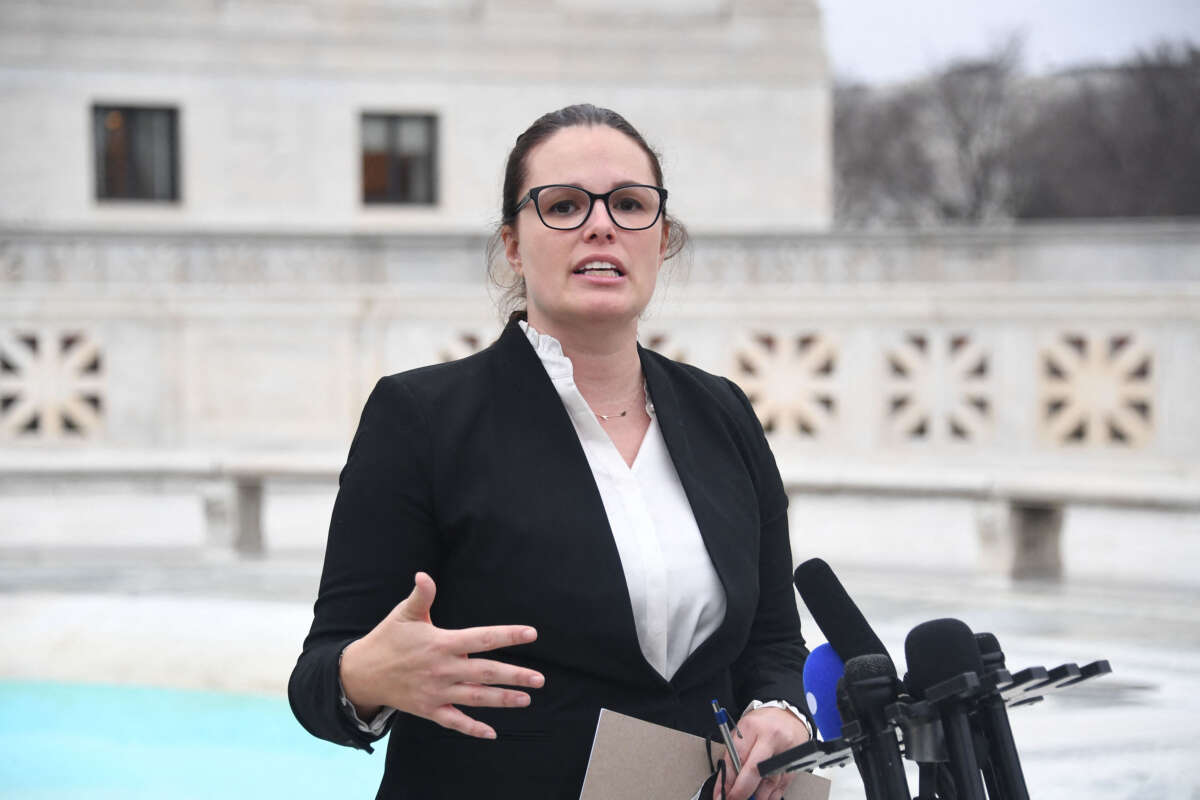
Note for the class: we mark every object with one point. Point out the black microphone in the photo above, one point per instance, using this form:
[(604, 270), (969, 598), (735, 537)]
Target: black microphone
[(1002, 770), (844, 626), (868, 686), (943, 669), (869, 683)]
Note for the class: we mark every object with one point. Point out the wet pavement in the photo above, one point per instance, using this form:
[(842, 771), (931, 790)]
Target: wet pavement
[(188, 620)]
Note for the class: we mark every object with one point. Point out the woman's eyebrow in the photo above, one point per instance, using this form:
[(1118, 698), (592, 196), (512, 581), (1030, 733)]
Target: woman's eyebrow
[(615, 184)]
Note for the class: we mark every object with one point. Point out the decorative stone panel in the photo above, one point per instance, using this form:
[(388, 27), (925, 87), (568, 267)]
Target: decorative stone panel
[(791, 381), (938, 387), (51, 384), (1096, 389)]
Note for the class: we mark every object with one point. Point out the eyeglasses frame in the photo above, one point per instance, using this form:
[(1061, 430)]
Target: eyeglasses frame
[(532, 194)]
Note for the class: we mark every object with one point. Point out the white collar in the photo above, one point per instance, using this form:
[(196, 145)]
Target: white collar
[(557, 365)]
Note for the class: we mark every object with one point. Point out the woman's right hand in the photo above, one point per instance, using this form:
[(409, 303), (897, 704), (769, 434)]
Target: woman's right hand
[(407, 663)]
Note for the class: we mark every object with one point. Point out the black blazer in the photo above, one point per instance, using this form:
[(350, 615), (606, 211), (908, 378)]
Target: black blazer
[(472, 471)]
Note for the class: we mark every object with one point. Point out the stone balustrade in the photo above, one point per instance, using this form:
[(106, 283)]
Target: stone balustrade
[(1061, 353)]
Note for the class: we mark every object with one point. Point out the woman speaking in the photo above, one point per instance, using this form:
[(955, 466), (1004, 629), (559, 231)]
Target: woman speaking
[(562, 522)]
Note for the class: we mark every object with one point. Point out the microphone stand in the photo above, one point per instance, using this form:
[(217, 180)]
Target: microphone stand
[(872, 736)]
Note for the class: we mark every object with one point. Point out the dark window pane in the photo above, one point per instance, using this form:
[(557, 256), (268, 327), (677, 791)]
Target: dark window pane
[(136, 153), (399, 158)]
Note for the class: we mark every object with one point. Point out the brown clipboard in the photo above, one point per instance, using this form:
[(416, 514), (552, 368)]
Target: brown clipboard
[(633, 758)]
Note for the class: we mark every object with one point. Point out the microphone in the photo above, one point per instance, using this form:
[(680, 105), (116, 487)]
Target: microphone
[(868, 685), (867, 688), (844, 626), (943, 668), (1002, 772), (822, 669)]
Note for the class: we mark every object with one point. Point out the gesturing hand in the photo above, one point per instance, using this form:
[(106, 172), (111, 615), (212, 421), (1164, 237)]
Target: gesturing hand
[(409, 664), (765, 732)]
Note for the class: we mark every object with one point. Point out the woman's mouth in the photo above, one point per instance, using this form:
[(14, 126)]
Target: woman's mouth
[(600, 269)]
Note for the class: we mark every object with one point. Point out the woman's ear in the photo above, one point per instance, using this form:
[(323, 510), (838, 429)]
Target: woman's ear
[(666, 239), (512, 251)]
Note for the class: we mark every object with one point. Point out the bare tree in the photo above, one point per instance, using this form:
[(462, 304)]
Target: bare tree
[(972, 122), (883, 173), (932, 151), (977, 142), (1121, 142)]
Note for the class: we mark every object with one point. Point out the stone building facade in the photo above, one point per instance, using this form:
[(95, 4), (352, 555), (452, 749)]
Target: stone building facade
[(269, 100), (313, 214)]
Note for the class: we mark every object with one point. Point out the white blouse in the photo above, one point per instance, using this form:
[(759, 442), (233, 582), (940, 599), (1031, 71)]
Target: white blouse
[(677, 598)]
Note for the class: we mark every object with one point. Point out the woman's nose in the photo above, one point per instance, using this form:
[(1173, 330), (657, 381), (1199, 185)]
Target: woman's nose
[(599, 222)]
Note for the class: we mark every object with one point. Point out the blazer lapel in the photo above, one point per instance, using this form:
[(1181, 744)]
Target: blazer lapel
[(550, 471), (689, 437)]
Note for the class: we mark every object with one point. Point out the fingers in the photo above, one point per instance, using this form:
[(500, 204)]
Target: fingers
[(415, 607), (748, 779), (450, 717), (491, 637), (731, 779), (474, 694), (426, 671), (482, 670)]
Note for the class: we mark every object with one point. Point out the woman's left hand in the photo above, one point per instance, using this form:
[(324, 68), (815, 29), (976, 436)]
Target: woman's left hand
[(765, 732)]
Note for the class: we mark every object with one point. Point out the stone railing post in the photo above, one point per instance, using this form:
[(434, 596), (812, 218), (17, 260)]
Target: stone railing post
[(248, 533), (1020, 539)]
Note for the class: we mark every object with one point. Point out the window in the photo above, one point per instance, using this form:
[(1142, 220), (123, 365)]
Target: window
[(137, 153), (399, 158)]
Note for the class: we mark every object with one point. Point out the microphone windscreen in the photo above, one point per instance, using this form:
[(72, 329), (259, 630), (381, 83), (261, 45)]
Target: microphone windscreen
[(839, 619), (860, 698), (822, 669), (989, 651), (872, 665), (937, 651)]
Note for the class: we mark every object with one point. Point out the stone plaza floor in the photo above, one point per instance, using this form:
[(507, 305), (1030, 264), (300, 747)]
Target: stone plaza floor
[(184, 621)]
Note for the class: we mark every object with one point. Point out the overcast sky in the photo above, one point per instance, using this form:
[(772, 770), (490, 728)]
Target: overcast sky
[(880, 41)]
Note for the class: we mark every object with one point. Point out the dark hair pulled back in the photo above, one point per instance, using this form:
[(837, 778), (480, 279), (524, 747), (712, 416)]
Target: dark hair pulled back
[(516, 171)]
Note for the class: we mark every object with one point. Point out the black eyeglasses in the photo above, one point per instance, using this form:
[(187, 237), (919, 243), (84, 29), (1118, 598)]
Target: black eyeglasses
[(564, 208)]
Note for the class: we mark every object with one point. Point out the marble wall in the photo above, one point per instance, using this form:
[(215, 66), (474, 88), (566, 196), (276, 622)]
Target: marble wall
[(269, 95)]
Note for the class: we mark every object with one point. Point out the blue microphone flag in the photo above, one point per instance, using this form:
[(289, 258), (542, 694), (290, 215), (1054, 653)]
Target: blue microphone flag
[(822, 669)]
